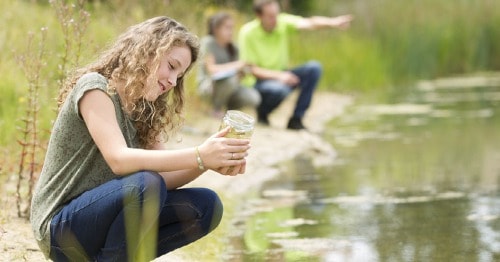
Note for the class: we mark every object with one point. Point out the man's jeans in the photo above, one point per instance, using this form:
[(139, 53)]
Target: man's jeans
[(110, 222), (274, 92)]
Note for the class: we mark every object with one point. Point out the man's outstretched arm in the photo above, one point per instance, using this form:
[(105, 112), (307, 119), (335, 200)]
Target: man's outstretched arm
[(316, 22)]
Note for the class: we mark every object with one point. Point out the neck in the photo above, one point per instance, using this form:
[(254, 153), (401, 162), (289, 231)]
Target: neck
[(267, 30), (220, 42)]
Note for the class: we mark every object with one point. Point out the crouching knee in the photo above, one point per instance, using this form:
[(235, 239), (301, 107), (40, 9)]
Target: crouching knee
[(214, 210), (141, 186), (314, 67)]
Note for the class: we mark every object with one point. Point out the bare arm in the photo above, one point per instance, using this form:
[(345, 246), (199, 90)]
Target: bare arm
[(214, 68), (285, 77), (316, 22), (98, 112), (175, 179)]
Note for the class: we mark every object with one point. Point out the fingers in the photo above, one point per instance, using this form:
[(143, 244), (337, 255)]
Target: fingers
[(228, 171), (221, 133), (236, 142), (289, 78), (229, 141), (243, 168), (223, 170), (292, 80), (232, 170), (220, 153), (238, 155)]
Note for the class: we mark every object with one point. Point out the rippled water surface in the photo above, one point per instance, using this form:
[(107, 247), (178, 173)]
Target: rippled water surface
[(416, 179)]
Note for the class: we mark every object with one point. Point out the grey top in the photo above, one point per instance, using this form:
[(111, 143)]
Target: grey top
[(73, 163), (208, 45)]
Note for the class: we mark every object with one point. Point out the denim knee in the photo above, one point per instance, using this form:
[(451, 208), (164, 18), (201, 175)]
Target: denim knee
[(314, 68), (214, 211), (145, 184)]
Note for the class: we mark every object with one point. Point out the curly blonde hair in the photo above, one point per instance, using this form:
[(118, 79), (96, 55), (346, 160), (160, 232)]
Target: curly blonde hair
[(131, 59)]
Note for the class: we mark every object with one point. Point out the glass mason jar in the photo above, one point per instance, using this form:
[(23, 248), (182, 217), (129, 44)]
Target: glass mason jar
[(241, 124)]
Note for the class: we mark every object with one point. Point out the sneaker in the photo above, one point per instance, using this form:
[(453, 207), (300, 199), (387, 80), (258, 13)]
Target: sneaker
[(262, 119), (295, 124)]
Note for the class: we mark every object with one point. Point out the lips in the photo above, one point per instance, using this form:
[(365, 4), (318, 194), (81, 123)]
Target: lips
[(163, 88)]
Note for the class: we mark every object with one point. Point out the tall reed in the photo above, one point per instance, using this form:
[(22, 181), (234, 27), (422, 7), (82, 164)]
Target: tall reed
[(73, 20), (31, 61)]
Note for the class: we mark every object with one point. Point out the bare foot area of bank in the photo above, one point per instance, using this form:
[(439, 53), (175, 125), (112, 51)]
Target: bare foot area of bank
[(271, 145)]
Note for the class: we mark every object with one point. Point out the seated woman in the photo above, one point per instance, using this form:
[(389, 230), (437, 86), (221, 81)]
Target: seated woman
[(220, 70)]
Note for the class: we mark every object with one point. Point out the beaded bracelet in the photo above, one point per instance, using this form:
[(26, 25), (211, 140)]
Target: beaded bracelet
[(198, 159)]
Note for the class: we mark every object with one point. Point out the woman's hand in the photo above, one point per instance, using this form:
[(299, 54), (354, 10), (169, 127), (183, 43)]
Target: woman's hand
[(224, 155), (232, 170)]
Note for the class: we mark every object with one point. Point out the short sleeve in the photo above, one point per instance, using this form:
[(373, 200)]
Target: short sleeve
[(87, 82), (204, 43), (290, 21)]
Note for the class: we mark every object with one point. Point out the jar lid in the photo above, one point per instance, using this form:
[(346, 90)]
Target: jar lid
[(239, 121)]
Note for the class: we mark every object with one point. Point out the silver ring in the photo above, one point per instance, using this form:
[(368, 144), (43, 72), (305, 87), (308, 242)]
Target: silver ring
[(232, 156)]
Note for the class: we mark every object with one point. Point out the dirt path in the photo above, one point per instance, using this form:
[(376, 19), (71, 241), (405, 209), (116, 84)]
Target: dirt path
[(270, 146)]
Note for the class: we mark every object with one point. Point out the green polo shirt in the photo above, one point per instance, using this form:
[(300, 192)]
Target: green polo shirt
[(268, 49)]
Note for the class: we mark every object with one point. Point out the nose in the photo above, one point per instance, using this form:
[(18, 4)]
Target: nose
[(172, 82)]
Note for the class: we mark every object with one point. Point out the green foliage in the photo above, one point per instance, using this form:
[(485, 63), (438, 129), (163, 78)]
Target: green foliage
[(350, 62)]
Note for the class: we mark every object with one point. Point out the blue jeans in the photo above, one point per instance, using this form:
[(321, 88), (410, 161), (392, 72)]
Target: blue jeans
[(108, 223), (274, 92)]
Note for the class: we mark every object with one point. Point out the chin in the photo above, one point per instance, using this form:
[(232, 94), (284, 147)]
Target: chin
[(151, 98)]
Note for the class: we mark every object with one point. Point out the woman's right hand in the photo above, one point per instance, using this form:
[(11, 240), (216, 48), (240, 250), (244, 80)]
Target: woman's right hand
[(224, 155)]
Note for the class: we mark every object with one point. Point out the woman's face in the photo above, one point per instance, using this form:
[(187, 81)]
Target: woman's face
[(173, 65), (224, 33)]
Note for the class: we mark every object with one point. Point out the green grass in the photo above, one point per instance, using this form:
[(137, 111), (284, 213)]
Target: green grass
[(350, 62)]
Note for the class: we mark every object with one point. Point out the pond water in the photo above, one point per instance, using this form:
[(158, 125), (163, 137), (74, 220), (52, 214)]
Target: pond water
[(417, 178)]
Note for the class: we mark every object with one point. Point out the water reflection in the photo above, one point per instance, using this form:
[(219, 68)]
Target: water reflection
[(415, 180)]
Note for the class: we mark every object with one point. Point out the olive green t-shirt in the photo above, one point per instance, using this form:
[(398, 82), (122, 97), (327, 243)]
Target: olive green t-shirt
[(73, 163)]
